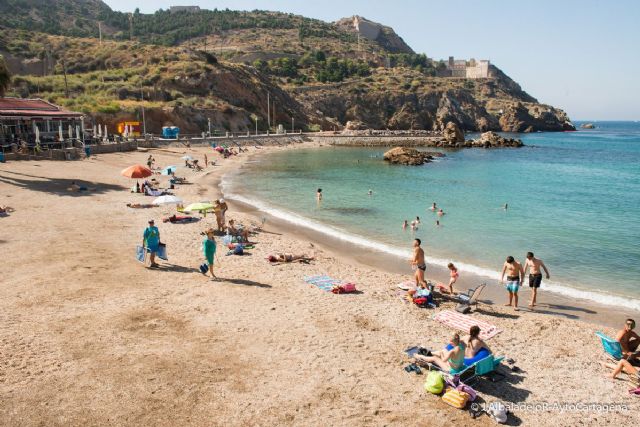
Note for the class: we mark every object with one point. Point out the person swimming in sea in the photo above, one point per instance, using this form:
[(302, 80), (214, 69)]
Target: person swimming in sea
[(440, 212), (405, 224), (417, 220), (370, 192), (437, 223), (506, 206), (433, 207)]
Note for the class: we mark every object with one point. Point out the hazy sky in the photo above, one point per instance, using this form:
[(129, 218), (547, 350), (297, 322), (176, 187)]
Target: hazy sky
[(582, 56)]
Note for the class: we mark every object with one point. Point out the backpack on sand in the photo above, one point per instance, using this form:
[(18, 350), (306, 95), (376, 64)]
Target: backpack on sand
[(434, 383)]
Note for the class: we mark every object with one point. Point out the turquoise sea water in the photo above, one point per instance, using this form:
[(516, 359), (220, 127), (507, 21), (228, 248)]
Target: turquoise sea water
[(574, 200)]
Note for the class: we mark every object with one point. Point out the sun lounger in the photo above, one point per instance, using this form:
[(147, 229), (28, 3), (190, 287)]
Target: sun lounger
[(462, 322), (612, 348)]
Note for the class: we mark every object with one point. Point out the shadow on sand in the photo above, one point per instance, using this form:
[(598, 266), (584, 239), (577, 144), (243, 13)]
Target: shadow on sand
[(57, 186)]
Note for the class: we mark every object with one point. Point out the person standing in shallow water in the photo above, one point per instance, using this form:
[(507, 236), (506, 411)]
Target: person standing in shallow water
[(319, 194), (535, 275)]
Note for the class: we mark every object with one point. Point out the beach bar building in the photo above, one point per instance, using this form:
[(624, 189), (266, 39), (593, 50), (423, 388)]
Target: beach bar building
[(24, 120)]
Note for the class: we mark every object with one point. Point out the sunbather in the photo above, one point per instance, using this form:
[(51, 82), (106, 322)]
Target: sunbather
[(141, 205), (239, 231), (175, 219), (289, 258), (473, 343), (78, 188), (447, 360), (628, 339), (6, 209)]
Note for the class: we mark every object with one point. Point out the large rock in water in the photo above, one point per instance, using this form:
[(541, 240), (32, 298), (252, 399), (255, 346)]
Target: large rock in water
[(492, 139), (452, 134), (409, 156)]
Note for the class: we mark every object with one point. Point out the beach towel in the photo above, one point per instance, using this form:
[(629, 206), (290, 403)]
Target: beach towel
[(405, 286), (403, 296), (325, 283), (463, 322)]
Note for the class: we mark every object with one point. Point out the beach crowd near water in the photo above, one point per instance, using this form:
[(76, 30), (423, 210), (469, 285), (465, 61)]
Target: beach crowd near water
[(369, 344)]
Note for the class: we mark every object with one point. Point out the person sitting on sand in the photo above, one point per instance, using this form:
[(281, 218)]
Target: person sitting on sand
[(197, 166), (77, 188), (141, 205), (453, 276), (515, 276), (286, 257), (187, 163), (6, 209), (628, 340), (447, 360), (473, 342), (240, 231)]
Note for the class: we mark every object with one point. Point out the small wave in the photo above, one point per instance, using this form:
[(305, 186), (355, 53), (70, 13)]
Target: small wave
[(293, 218)]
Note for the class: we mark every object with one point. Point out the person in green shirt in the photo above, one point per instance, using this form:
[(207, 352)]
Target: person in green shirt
[(151, 241), (209, 249)]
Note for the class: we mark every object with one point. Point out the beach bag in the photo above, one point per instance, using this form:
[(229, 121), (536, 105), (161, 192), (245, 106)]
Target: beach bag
[(498, 412), (463, 308), (466, 389), (457, 399), (141, 254), (238, 250), (434, 383), (162, 251)]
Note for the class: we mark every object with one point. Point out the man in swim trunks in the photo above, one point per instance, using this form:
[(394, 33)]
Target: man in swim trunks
[(629, 341), (515, 276), (535, 276), (418, 262)]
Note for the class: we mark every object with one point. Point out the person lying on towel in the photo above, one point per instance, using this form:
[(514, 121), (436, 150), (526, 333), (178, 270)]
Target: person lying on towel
[(141, 205), (289, 258)]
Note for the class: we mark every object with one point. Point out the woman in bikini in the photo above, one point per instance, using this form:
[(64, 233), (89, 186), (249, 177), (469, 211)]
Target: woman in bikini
[(448, 360)]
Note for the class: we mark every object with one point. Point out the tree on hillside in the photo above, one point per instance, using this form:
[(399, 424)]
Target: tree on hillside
[(5, 76)]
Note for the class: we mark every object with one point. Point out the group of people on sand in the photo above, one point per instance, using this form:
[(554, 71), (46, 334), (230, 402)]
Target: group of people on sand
[(451, 358)]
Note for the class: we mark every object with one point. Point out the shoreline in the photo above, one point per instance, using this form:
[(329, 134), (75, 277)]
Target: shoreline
[(92, 337), (551, 302)]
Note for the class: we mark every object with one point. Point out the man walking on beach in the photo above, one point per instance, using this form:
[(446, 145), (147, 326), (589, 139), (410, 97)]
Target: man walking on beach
[(535, 276), (515, 276), (151, 241), (418, 262)]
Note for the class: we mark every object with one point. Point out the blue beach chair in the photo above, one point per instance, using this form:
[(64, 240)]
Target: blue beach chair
[(612, 348)]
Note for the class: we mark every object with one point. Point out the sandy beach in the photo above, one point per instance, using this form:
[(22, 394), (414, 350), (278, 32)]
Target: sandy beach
[(89, 336)]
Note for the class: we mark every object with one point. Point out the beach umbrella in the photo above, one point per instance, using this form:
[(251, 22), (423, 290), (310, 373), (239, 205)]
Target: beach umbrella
[(70, 131), (187, 158), (99, 132), (95, 131), (169, 170), (78, 132), (60, 136), (136, 171), (167, 200), (106, 134), (198, 207)]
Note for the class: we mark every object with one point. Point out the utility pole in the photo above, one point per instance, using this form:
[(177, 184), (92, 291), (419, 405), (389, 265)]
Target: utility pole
[(66, 85), (100, 32), (256, 125), (268, 112), (209, 124), (130, 26), (275, 125), (144, 122), (292, 121)]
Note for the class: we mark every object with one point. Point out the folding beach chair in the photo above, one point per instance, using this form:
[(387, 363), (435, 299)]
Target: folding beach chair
[(470, 298), (487, 368), (612, 348)]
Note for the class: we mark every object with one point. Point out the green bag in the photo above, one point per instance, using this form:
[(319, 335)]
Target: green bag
[(434, 383)]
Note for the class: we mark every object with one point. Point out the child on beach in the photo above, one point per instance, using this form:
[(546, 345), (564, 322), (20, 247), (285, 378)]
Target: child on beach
[(209, 250), (454, 276)]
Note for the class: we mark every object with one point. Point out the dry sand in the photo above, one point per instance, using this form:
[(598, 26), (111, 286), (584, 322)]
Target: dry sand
[(88, 336)]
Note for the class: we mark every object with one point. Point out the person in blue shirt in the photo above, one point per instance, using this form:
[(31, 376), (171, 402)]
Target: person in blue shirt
[(151, 241), (209, 249)]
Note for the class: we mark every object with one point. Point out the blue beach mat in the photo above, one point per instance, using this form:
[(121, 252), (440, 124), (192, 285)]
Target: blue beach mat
[(325, 283)]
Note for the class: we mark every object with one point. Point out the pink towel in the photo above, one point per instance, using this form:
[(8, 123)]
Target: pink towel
[(463, 322)]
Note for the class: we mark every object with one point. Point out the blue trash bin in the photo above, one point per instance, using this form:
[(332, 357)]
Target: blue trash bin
[(87, 151), (2, 157)]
